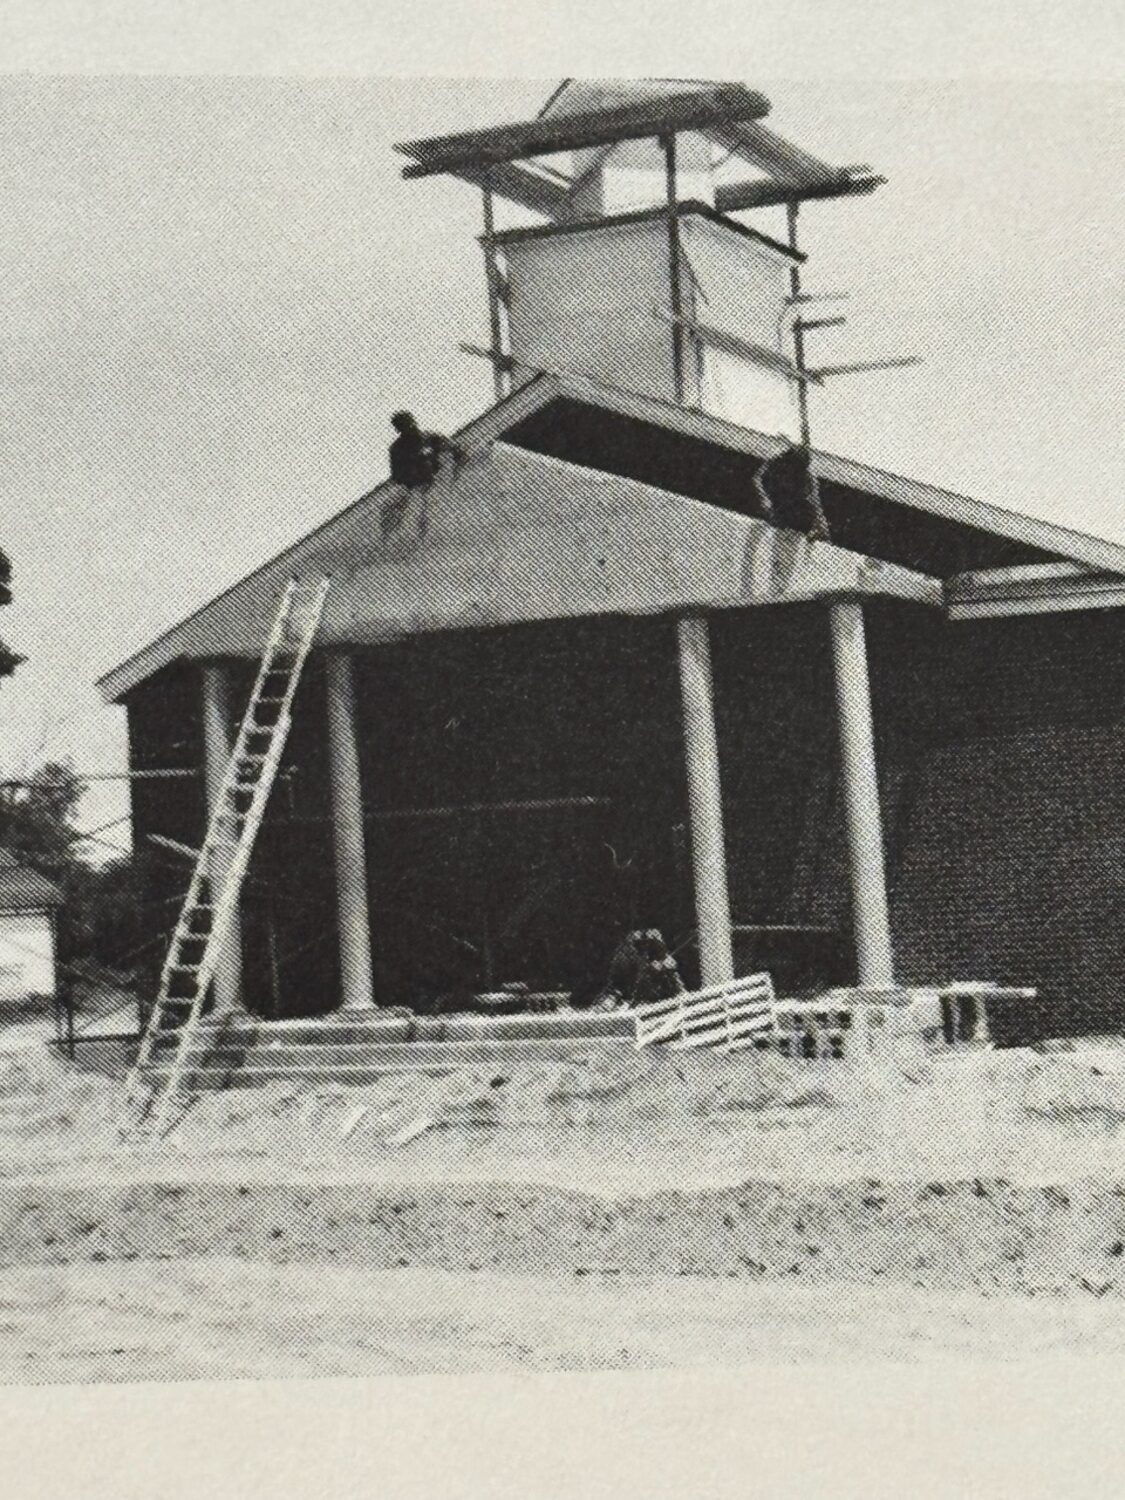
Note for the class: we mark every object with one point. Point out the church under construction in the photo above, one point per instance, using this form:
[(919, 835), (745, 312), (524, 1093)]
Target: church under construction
[(598, 677)]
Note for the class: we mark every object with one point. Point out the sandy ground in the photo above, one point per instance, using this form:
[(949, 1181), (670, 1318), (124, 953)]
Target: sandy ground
[(610, 1124), (225, 1318), (595, 1213)]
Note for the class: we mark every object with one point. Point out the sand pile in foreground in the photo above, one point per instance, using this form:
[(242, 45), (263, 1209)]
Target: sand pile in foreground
[(991, 1172), (983, 1235), (614, 1122)]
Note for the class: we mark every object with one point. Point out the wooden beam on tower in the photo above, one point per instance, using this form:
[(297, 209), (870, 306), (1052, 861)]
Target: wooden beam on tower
[(722, 104), (730, 343), (734, 197), (674, 259)]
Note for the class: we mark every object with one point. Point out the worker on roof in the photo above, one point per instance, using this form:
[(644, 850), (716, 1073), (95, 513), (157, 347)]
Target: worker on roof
[(416, 456), (789, 492), (416, 461)]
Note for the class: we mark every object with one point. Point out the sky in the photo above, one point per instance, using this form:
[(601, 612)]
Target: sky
[(214, 290)]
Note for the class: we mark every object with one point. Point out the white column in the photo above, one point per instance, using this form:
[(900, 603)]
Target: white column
[(217, 745), (348, 836), (861, 796), (705, 801)]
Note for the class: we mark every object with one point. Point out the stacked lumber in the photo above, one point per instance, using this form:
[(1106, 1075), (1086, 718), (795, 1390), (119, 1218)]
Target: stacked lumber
[(729, 1017)]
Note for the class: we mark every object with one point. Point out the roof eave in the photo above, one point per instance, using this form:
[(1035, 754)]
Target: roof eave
[(545, 387), (536, 393)]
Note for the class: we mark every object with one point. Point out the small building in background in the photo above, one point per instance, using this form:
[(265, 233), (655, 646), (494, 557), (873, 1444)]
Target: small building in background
[(28, 906)]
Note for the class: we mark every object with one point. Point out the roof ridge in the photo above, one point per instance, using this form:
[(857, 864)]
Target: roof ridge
[(502, 417)]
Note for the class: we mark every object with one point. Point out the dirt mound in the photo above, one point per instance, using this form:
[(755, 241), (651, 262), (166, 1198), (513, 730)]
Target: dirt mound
[(614, 1120), (42, 1097), (1079, 1085), (983, 1235)]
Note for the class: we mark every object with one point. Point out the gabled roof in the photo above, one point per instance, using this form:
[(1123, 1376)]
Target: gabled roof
[(540, 401), (518, 501), (646, 114), (789, 171), (518, 536), (24, 889)]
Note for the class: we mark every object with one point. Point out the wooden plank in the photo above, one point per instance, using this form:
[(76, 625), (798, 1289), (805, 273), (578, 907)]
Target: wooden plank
[(461, 809), (500, 376), (733, 987), (736, 197), (541, 193), (674, 260), (766, 149), (722, 104), (689, 207), (723, 1036), (863, 366), (1024, 573), (1044, 589)]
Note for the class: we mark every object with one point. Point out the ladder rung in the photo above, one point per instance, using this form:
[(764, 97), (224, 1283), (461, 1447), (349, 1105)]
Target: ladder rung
[(233, 827)]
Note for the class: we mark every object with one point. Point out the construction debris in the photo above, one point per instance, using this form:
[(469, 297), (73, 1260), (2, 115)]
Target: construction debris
[(729, 1016)]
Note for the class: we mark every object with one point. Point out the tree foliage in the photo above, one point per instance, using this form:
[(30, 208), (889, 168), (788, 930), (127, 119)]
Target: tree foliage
[(100, 924), (9, 661), (37, 817)]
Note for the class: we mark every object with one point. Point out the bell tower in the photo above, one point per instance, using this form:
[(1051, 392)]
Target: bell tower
[(638, 268)]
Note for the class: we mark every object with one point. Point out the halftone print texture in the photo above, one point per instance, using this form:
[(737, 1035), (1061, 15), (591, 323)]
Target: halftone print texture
[(684, 924)]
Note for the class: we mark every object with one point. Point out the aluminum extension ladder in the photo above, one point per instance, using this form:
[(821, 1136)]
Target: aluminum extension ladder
[(216, 884)]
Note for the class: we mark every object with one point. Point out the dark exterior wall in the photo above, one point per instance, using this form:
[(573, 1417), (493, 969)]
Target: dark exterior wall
[(475, 896), (288, 906), (776, 726), (578, 709), (290, 942), (1000, 747), (1006, 750), (165, 733)]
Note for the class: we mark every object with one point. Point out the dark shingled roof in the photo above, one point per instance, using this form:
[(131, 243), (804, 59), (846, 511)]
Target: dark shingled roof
[(23, 889)]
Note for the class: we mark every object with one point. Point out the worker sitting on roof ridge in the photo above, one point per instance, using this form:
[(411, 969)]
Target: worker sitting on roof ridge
[(416, 461), (416, 456), (792, 498)]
